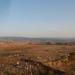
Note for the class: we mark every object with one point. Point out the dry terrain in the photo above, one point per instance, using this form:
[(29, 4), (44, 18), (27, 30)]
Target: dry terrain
[(27, 58)]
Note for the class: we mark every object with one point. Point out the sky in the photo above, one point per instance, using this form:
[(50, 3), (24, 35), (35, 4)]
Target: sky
[(37, 18)]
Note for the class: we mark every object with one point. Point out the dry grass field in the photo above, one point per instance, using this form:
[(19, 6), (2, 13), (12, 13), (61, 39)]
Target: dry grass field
[(61, 58)]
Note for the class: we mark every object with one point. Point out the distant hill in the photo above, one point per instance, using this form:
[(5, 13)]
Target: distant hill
[(38, 39)]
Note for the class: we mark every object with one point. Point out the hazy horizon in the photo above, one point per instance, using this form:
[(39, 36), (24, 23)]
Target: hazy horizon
[(37, 18)]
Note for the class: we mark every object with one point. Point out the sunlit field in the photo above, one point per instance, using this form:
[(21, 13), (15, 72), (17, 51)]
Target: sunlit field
[(29, 58)]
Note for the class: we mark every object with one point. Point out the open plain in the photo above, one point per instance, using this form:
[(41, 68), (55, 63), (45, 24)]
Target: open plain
[(29, 58)]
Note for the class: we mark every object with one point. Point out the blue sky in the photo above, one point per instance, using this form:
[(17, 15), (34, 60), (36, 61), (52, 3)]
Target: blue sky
[(37, 18)]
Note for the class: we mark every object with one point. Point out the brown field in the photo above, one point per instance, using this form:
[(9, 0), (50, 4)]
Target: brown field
[(58, 57)]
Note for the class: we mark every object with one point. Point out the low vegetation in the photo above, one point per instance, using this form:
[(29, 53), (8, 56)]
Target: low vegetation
[(23, 58)]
